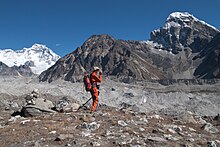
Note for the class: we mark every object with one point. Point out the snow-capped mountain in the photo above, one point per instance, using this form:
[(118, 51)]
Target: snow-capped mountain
[(182, 30), (183, 19), (38, 57)]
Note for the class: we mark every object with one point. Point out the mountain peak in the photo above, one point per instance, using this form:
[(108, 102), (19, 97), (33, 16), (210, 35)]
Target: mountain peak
[(98, 42), (37, 45), (182, 30), (100, 37), (180, 15), (40, 55), (184, 19)]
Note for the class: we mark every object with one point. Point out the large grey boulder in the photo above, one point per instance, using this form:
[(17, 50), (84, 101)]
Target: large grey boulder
[(42, 106)]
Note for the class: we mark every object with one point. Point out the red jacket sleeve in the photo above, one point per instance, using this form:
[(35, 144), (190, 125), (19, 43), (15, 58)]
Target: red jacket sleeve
[(95, 78)]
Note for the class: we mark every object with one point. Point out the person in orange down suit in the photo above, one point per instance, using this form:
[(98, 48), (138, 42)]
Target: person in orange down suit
[(95, 77)]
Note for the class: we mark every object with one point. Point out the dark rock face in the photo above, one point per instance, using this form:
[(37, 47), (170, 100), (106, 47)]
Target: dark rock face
[(210, 66), (130, 59), (22, 70), (29, 63)]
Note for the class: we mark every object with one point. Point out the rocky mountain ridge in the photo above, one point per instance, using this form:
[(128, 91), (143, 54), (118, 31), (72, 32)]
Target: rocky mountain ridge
[(38, 57), (117, 58), (169, 54), (22, 70)]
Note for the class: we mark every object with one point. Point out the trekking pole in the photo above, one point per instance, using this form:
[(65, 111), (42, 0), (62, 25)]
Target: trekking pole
[(84, 104)]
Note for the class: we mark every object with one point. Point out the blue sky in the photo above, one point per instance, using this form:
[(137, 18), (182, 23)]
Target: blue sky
[(63, 25)]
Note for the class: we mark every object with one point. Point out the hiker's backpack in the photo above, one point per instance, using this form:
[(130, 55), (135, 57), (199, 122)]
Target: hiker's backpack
[(87, 82)]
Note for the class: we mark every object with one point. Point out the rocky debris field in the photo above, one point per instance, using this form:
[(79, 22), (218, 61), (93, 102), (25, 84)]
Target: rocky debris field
[(202, 99), (135, 114), (109, 127)]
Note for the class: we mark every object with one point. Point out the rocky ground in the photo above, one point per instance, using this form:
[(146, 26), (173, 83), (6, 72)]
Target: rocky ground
[(135, 114), (109, 127)]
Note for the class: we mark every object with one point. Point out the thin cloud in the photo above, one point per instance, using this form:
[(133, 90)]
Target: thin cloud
[(58, 44)]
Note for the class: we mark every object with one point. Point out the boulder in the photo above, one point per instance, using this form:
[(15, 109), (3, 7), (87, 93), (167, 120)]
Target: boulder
[(211, 144), (157, 139), (42, 106), (63, 137), (95, 144), (210, 128), (72, 107), (59, 106), (122, 123), (87, 128)]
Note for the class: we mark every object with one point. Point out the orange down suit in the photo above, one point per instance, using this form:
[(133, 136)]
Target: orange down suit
[(95, 90)]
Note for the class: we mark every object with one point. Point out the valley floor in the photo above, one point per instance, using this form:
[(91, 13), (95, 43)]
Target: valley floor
[(144, 114)]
